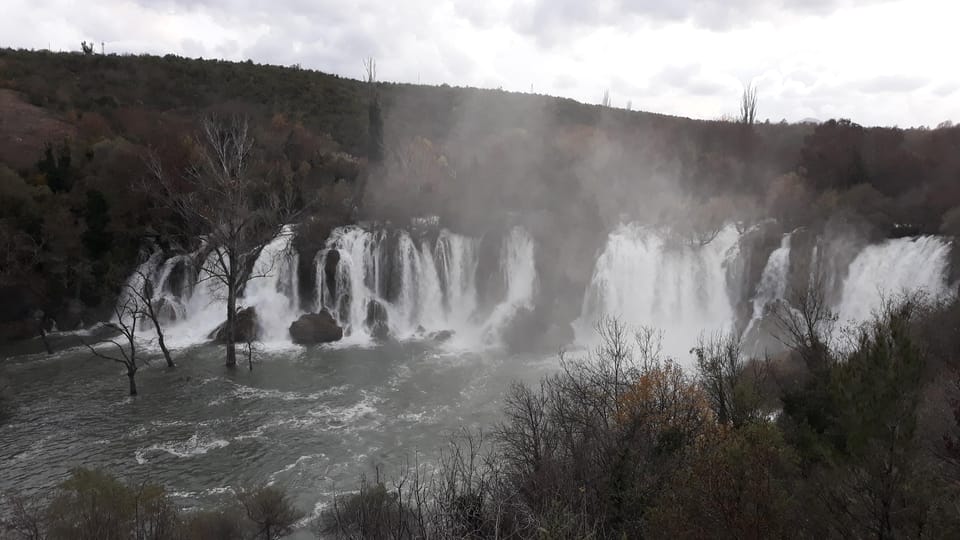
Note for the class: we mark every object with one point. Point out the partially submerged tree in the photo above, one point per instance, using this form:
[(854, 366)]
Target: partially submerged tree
[(142, 292), (127, 311), (223, 198), (252, 349)]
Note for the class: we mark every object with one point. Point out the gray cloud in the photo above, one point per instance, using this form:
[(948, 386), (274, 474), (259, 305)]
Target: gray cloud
[(946, 89), (551, 20), (892, 83), (690, 79)]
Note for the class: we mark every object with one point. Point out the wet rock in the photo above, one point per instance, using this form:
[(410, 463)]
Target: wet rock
[(177, 280), (441, 336), (330, 263), (376, 320), (343, 309), (166, 310), (314, 328), (246, 328)]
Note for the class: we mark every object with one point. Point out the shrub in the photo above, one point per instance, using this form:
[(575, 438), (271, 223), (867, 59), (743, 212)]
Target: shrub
[(373, 512), (269, 508)]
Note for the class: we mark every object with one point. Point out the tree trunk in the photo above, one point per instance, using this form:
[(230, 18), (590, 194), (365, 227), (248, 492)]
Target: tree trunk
[(231, 325), (163, 346), (43, 337), (133, 382)]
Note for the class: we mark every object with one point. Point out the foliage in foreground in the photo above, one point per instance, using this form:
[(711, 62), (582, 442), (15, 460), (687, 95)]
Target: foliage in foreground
[(93, 505), (854, 438), (834, 440)]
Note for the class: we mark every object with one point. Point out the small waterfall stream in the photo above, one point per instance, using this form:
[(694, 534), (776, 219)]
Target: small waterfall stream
[(771, 289)]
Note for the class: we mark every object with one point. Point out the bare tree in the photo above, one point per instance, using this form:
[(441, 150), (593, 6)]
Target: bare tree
[(270, 509), (222, 198), (143, 295), (748, 105), (807, 322), (370, 70), (127, 312), (252, 349), (374, 113), (25, 517), (731, 383)]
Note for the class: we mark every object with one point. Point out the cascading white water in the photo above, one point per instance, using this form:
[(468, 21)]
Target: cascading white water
[(457, 261), (273, 288), (434, 284), (196, 301), (772, 288), (891, 268), (148, 269), (357, 250), (432, 314), (645, 279), (421, 285), (518, 267)]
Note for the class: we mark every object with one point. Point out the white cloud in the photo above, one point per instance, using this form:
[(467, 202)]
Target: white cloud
[(876, 62)]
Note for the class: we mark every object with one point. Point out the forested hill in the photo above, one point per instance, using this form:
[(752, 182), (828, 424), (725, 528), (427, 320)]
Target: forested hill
[(75, 129)]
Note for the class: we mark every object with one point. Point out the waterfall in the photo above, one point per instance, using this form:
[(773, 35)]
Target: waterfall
[(191, 300), (358, 252), (128, 302), (273, 288), (894, 267), (517, 266), (771, 289), (457, 260), (645, 278), (423, 284)]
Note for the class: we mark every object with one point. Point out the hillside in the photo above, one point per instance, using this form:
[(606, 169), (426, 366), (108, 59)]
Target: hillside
[(74, 131)]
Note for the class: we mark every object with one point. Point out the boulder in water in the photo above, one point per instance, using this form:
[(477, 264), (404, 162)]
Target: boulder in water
[(246, 328), (441, 336), (314, 328)]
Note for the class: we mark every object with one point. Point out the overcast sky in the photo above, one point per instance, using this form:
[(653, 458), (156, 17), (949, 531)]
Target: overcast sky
[(878, 62)]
